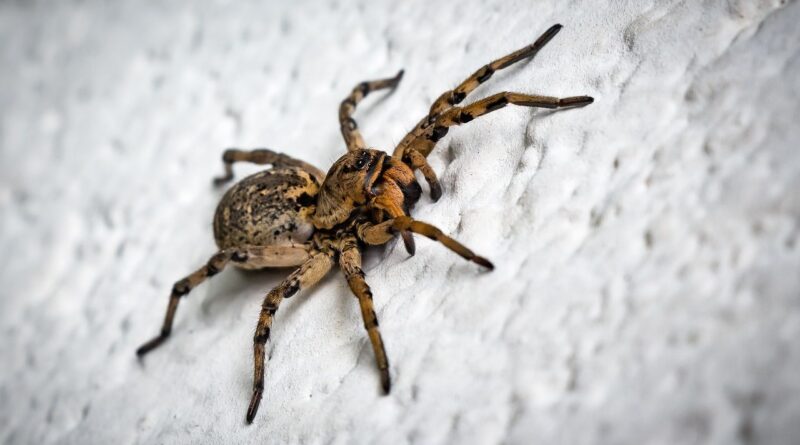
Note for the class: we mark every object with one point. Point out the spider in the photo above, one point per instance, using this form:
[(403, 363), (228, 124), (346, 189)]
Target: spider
[(294, 214)]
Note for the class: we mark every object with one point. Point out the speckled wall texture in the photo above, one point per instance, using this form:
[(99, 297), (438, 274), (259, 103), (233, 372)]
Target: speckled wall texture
[(647, 288)]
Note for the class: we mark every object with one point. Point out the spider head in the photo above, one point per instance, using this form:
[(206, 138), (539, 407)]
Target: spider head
[(365, 178)]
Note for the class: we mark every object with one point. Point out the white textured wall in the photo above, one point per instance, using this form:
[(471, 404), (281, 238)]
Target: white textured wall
[(647, 287)]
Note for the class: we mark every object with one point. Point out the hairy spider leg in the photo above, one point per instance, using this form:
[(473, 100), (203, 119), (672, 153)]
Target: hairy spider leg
[(349, 127), (350, 263), (456, 95), (420, 141), (484, 73), (419, 147), (262, 156), (376, 234), (416, 161), (249, 257), (462, 115), (304, 277)]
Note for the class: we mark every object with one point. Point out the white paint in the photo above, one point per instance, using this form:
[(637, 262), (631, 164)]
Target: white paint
[(652, 302)]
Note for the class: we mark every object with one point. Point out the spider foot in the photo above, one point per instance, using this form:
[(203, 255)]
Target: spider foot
[(408, 241), (254, 402), (386, 381), (482, 262), (397, 78), (577, 101), (221, 180), (150, 345)]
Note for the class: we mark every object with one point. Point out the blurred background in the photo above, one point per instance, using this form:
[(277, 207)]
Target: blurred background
[(646, 289)]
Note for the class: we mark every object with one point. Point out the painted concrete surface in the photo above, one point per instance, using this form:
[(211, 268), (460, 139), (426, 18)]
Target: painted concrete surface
[(647, 286)]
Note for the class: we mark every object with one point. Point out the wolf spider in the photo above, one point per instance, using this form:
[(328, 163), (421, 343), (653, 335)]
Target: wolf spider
[(295, 215)]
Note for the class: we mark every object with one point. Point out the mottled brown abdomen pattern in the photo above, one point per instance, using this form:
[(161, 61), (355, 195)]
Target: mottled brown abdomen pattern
[(273, 207)]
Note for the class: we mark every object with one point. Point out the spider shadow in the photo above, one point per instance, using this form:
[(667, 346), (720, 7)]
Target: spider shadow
[(370, 106), (542, 113), (365, 109), (224, 298), (229, 288)]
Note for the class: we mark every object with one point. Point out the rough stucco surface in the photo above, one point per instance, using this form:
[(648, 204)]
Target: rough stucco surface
[(647, 286)]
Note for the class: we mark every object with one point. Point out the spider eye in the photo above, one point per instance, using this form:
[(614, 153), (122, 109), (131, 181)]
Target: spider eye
[(361, 162)]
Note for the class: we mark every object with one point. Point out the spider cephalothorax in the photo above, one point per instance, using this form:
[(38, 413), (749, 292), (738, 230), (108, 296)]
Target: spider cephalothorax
[(295, 215), (365, 178)]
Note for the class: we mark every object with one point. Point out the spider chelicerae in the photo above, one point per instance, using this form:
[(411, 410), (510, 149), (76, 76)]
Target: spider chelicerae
[(294, 214)]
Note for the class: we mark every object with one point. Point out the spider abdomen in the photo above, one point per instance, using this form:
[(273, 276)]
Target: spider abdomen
[(272, 207)]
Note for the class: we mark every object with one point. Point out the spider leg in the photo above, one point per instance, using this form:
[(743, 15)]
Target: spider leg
[(420, 141), (308, 274), (462, 115), (262, 156), (350, 263), (484, 73), (245, 257), (456, 95), (349, 127), (416, 161), (376, 234), (417, 150)]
